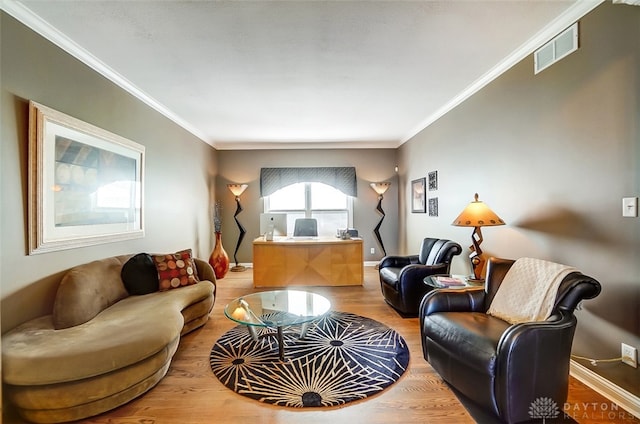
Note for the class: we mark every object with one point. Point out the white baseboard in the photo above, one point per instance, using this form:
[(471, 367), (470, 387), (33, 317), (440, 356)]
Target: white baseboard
[(624, 399)]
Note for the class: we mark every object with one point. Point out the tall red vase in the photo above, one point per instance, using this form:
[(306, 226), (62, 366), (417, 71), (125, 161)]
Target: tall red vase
[(219, 259)]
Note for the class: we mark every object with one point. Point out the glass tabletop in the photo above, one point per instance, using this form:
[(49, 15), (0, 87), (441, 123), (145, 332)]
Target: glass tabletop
[(451, 281), (277, 308)]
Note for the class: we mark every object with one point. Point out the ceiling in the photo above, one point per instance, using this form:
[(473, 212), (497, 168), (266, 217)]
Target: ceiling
[(300, 74)]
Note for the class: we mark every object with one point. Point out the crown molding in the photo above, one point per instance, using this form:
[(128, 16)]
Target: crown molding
[(41, 27), (27, 17), (569, 17)]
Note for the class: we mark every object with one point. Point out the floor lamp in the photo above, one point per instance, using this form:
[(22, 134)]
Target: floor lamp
[(477, 215), (380, 188), (237, 190)]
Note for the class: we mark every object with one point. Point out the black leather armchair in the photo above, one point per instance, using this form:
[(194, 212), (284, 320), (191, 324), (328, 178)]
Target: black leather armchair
[(502, 368), (401, 277)]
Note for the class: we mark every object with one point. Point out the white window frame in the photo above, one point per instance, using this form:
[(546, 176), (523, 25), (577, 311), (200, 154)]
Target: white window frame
[(307, 202)]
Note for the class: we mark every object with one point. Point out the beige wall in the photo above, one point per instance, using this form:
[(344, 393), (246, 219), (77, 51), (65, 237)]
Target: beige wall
[(243, 166), (179, 174), (552, 154), (183, 175)]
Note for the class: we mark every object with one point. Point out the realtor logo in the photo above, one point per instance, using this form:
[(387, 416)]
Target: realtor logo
[(543, 408)]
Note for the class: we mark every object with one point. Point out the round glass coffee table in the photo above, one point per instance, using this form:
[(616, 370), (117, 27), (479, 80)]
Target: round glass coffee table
[(277, 309)]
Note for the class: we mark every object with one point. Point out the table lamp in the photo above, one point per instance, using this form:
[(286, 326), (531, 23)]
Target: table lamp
[(380, 188), (477, 215), (237, 190)]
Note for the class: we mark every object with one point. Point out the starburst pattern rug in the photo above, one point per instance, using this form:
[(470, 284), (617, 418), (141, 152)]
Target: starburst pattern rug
[(343, 358)]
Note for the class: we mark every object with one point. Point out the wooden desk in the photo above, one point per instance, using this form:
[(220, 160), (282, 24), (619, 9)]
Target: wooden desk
[(307, 262)]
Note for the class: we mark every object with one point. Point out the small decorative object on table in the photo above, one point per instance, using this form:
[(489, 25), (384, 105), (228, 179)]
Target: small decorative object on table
[(219, 259), (449, 281)]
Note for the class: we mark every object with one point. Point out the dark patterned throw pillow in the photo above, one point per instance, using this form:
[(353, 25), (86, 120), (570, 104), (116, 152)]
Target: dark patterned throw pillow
[(139, 275)]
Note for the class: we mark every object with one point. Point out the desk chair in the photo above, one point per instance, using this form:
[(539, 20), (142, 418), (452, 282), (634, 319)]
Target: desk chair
[(305, 227)]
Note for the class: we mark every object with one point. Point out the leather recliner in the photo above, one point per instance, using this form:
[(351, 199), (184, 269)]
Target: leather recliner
[(401, 277), (502, 368)]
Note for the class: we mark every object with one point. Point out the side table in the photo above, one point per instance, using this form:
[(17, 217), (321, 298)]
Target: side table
[(448, 281)]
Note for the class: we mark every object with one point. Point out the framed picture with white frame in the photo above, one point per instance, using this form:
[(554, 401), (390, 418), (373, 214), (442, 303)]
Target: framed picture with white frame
[(85, 184)]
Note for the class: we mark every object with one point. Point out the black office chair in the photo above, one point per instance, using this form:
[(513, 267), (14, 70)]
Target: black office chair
[(305, 227)]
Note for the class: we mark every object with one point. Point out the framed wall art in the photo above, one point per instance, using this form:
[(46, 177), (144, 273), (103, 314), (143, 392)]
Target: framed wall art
[(433, 180), (418, 196), (433, 206), (85, 183)]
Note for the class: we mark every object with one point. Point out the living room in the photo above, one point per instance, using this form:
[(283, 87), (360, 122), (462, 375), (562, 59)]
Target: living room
[(552, 154)]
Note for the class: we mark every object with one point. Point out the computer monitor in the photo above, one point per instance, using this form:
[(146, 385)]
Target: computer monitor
[(278, 220)]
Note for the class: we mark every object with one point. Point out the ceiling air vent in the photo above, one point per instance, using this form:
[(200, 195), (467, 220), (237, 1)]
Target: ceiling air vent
[(556, 49)]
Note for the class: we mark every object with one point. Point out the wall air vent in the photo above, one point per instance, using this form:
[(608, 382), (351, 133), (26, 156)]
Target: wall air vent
[(562, 45)]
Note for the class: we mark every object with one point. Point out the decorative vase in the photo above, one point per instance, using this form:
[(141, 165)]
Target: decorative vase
[(219, 259)]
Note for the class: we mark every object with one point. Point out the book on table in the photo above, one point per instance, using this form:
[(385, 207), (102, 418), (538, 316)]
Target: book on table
[(446, 281)]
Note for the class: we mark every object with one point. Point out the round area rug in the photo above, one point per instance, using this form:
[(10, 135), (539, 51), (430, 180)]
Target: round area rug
[(343, 357)]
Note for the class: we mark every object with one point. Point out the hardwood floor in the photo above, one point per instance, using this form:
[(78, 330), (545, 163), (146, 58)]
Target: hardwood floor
[(191, 394)]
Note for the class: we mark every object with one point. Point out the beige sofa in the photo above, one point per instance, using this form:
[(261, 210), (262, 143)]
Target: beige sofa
[(122, 350)]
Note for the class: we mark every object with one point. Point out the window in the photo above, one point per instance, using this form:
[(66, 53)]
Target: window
[(332, 208)]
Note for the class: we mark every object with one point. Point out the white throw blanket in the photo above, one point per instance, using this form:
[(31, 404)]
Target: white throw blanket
[(528, 291)]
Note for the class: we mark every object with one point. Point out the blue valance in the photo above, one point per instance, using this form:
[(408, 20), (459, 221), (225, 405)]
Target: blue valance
[(342, 178)]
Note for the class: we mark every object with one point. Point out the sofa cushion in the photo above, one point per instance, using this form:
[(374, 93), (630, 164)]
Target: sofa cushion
[(130, 331), (175, 270), (88, 289), (71, 393), (472, 337), (140, 275)]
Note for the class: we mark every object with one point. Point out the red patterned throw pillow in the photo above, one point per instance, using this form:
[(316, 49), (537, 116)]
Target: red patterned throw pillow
[(176, 270)]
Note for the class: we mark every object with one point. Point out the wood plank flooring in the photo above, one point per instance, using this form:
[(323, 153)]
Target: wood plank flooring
[(191, 394)]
